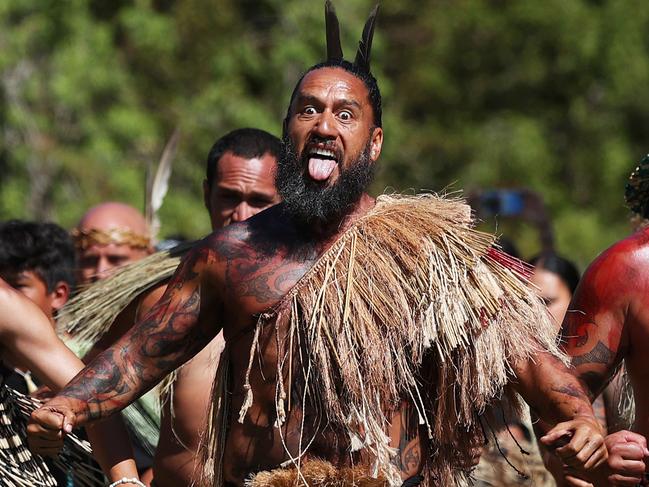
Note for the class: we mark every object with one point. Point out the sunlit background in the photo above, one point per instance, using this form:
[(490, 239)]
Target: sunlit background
[(549, 96)]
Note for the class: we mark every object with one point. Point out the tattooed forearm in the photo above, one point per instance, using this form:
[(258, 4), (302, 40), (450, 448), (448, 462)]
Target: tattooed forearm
[(170, 334), (119, 374), (103, 384), (570, 390)]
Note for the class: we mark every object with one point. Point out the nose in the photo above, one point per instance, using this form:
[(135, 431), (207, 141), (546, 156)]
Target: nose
[(103, 268), (326, 126), (242, 212)]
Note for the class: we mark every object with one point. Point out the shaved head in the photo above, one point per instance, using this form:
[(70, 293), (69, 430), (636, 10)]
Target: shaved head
[(108, 236), (113, 214)]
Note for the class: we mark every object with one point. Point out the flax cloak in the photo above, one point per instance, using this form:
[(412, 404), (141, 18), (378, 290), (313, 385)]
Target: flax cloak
[(411, 282)]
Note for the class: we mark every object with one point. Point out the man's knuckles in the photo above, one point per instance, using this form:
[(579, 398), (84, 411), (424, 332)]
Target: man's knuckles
[(618, 479), (47, 419), (627, 466), (626, 451), (585, 454)]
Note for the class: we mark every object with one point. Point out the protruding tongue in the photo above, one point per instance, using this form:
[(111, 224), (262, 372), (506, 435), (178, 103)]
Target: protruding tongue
[(321, 169)]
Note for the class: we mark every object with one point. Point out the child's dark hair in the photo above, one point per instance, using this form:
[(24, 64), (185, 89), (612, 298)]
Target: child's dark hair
[(43, 248)]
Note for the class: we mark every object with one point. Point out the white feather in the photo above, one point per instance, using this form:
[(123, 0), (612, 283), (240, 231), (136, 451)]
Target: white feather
[(158, 187)]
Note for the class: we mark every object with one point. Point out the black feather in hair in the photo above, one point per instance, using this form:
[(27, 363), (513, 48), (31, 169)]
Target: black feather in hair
[(334, 48), (365, 44)]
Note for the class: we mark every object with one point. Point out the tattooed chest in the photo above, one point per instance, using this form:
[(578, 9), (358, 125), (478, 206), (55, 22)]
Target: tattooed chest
[(262, 282)]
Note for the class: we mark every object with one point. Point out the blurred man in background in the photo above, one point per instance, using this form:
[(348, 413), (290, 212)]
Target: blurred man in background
[(239, 183), (108, 236)]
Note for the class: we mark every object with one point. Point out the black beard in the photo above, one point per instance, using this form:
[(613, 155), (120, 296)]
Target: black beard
[(310, 203)]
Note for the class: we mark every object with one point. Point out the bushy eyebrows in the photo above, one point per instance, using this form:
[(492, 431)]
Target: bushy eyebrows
[(305, 98)]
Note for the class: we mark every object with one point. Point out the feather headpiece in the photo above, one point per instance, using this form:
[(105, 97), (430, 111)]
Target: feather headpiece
[(334, 47)]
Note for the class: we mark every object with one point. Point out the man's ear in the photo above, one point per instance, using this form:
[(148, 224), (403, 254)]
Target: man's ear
[(206, 195), (376, 143), (59, 295)]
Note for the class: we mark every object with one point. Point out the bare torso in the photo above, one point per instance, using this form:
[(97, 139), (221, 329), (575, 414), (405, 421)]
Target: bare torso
[(184, 418), (257, 279)]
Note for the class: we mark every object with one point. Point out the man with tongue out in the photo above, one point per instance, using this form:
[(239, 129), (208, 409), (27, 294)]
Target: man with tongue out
[(332, 138), (284, 396)]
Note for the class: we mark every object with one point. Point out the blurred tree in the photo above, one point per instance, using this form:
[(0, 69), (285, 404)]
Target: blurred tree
[(477, 93)]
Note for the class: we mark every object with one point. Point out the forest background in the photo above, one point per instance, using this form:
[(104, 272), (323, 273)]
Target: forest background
[(551, 96)]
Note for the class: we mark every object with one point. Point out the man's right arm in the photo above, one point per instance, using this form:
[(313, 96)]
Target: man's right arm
[(185, 319), (594, 335)]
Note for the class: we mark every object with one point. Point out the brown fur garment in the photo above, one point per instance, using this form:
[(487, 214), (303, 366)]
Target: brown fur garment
[(316, 473)]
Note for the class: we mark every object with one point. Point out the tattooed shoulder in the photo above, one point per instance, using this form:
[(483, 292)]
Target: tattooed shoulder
[(600, 354)]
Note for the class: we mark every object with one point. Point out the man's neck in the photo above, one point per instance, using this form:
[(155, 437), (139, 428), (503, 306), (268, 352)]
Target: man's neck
[(327, 231)]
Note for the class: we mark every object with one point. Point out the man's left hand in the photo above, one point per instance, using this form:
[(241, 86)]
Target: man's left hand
[(578, 443)]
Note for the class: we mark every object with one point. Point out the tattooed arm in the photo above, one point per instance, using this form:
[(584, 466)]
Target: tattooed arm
[(558, 398), (185, 319), (594, 334)]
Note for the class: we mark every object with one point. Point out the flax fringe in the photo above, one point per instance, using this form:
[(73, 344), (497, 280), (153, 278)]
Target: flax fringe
[(410, 302), (213, 439)]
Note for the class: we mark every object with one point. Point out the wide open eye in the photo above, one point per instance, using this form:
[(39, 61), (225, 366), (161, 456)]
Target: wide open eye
[(309, 111), (345, 115)]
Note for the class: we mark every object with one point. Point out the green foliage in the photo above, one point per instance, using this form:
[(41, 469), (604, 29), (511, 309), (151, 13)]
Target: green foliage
[(477, 93)]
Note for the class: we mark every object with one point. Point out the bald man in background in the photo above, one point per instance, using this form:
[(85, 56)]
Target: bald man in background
[(108, 236)]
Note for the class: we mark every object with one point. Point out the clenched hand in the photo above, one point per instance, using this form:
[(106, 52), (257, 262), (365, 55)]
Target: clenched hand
[(47, 427)]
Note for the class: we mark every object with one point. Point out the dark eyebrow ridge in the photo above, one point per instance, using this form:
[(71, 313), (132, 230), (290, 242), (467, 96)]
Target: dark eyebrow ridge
[(306, 98)]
